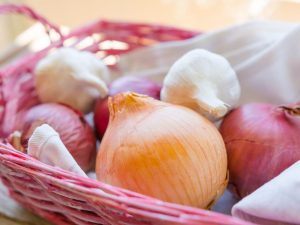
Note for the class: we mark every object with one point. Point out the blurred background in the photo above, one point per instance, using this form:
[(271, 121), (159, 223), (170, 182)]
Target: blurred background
[(19, 34), (193, 14)]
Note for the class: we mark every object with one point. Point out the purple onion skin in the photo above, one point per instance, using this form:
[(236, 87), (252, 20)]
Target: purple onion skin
[(135, 84), (123, 84), (261, 140), (74, 131)]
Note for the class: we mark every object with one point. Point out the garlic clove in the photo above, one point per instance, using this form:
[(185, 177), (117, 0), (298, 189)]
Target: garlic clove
[(99, 85), (46, 145), (66, 72), (74, 130), (209, 105), (204, 82)]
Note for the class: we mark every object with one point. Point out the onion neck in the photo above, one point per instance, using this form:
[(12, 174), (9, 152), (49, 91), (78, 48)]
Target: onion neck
[(293, 110), (129, 102), (15, 140)]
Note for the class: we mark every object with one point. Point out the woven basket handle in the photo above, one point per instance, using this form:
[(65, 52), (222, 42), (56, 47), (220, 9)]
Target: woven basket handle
[(27, 11), (9, 112)]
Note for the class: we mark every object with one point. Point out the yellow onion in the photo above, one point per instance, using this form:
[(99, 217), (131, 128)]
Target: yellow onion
[(162, 150)]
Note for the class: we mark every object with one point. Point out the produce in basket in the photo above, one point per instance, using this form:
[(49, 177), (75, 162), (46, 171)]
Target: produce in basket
[(127, 83), (72, 77), (202, 81), (60, 196), (262, 140), (162, 150), (74, 131)]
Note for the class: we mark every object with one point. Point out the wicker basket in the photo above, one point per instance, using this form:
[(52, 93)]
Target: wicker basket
[(60, 196)]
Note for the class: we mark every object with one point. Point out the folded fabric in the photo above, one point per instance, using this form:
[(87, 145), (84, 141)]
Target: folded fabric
[(265, 56), (46, 145), (276, 202)]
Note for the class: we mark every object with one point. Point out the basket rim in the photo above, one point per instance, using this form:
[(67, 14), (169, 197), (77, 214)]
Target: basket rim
[(35, 55), (139, 203)]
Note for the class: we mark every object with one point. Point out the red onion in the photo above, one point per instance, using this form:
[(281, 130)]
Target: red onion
[(261, 140), (75, 133), (101, 116), (123, 84)]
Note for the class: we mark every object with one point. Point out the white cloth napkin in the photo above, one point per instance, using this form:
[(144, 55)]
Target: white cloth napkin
[(276, 202), (265, 56)]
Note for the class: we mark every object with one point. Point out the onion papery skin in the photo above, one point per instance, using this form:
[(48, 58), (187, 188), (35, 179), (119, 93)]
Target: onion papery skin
[(261, 140), (162, 150), (123, 84), (74, 131)]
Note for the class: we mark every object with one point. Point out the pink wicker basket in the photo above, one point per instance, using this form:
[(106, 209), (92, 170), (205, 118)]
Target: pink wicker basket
[(62, 197)]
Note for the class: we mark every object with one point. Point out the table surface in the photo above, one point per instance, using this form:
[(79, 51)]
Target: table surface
[(6, 221)]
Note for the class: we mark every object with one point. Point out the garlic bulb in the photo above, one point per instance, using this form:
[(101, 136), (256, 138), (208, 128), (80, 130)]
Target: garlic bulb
[(162, 150), (202, 81), (71, 77)]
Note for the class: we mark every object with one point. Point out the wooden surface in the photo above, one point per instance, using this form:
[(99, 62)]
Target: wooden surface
[(6, 221)]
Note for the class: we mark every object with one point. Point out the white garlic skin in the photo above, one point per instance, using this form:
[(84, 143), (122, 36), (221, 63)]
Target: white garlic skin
[(203, 81), (72, 77)]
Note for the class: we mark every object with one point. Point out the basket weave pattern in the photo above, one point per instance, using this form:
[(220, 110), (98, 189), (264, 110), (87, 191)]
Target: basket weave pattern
[(60, 196)]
